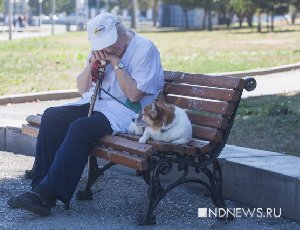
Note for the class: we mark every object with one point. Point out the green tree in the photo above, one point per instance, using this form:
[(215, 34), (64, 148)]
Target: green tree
[(225, 12), (209, 6), (243, 9)]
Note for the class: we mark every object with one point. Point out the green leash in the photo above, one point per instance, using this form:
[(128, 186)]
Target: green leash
[(133, 106)]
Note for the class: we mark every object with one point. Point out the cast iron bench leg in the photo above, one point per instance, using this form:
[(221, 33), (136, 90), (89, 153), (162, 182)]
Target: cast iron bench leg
[(155, 190), (93, 174), (216, 187)]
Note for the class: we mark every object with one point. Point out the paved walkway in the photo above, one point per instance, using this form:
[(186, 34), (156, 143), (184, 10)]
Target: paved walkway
[(35, 31), (285, 82)]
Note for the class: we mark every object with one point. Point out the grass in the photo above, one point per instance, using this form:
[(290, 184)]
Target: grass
[(50, 63), (269, 123), (220, 51), (41, 64)]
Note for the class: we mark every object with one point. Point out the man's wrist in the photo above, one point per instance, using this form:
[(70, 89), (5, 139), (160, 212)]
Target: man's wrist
[(119, 65)]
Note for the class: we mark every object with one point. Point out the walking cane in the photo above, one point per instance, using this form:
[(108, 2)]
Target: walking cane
[(98, 70)]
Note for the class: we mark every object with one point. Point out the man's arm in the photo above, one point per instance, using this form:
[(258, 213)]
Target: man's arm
[(126, 82), (84, 79), (128, 85)]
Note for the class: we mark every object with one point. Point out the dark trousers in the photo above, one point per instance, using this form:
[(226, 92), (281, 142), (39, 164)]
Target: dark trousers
[(65, 139)]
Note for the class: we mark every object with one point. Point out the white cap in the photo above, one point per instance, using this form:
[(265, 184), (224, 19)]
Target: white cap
[(102, 31)]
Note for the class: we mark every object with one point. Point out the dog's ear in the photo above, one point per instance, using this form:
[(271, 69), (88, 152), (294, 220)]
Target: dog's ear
[(153, 112), (160, 97)]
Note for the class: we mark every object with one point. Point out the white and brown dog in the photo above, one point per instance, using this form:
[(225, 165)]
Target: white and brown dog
[(162, 122)]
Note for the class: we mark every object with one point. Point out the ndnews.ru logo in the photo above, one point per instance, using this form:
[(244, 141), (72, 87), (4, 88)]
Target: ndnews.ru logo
[(239, 212)]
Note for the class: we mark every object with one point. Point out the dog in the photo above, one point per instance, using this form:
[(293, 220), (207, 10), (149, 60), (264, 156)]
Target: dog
[(162, 122)]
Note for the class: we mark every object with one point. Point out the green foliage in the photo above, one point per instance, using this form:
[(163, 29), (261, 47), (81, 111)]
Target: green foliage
[(279, 109), (268, 123), (296, 4), (242, 7), (276, 107)]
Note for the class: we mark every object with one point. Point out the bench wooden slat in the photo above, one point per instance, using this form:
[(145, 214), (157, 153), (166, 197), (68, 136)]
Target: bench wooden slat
[(203, 120), (208, 134), (205, 80), (219, 107), (30, 130), (123, 144), (118, 157), (193, 147), (201, 146), (163, 146), (203, 92)]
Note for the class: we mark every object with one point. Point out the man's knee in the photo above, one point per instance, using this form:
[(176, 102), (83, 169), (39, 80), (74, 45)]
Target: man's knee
[(79, 126), (51, 115)]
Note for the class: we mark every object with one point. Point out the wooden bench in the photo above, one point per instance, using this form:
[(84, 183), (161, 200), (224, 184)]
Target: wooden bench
[(211, 103)]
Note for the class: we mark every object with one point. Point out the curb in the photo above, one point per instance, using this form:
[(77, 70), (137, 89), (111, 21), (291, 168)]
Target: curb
[(41, 96), (72, 93), (263, 71)]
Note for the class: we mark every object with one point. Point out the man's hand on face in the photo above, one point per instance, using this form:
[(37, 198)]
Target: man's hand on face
[(98, 55)]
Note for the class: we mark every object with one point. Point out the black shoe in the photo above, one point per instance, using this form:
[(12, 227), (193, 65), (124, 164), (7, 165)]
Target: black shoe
[(11, 202), (32, 202)]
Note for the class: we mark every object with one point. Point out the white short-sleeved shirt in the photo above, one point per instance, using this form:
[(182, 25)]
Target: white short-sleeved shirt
[(142, 61)]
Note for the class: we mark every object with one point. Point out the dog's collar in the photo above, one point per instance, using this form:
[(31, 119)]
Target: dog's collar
[(164, 130), (167, 127)]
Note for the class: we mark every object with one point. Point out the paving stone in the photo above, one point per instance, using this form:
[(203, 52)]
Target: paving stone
[(231, 151), (260, 188)]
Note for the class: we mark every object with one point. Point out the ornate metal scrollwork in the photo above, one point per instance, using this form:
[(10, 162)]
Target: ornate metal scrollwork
[(162, 164)]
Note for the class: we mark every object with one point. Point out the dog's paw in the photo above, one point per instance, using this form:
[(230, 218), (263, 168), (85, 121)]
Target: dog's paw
[(142, 140), (135, 130)]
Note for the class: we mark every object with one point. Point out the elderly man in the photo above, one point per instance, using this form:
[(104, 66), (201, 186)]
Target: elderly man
[(133, 76)]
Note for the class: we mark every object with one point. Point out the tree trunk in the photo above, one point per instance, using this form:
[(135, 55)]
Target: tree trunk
[(204, 20), (272, 21), (268, 21), (134, 14), (229, 19), (250, 20), (241, 19), (293, 18), (154, 13), (209, 22), (186, 20), (259, 22)]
